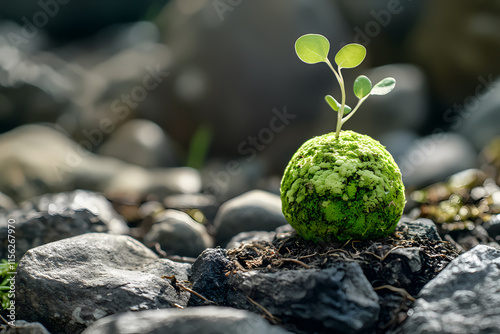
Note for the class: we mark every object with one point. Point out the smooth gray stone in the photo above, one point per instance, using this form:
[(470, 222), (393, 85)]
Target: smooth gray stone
[(68, 284), (255, 210)]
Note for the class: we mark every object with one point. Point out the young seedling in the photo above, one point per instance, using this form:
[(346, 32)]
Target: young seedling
[(344, 185), (314, 48)]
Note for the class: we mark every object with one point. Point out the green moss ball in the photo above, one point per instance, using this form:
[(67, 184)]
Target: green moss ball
[(336, 189)]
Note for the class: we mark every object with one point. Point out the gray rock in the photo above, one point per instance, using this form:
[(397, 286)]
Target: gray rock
[(68, 284), (6, 203), (140, 142), (492, 226), (463, 298), (57, 216), (23, 327), (178, 234), (36, 159), (255, 210), (202, 320), (337, 298), (418, 228), (247, 237), (434, 158)]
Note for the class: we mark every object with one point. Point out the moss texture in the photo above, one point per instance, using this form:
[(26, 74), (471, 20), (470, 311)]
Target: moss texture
[(341, 189)]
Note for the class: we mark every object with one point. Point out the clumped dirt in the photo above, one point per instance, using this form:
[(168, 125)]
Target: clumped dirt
[(388, 272)]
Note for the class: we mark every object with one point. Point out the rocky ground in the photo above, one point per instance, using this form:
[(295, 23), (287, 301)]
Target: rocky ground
[(91, 265)]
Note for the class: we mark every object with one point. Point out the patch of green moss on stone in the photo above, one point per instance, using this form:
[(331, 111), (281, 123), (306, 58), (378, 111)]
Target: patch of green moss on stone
[(341, 189)]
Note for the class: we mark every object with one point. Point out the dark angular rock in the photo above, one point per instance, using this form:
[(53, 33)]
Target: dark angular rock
[(208, 276), (418, 228), (255, 210), (178, 234), (463, 298), (200, 320), (68, 284), (337, 298), (57, 216)]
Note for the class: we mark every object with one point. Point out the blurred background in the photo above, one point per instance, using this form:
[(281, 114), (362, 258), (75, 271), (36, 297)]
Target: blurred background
[(135, 98)]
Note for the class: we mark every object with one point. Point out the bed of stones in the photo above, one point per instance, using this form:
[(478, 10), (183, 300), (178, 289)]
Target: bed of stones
[(190, 265)]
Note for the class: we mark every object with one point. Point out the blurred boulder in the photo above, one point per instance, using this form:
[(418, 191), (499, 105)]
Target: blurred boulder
[(434, 158), (381, 25), (457, 43), (406, 108), (478, 118), (246, 84)]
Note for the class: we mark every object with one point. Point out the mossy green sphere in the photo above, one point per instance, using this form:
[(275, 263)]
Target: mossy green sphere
[(337, 189)]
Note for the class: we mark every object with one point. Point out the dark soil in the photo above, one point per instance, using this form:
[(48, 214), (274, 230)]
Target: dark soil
[(388, 272)]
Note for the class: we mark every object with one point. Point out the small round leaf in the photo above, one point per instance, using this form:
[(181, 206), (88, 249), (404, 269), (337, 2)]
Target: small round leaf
[(347, 109), (362, 86), (350, 55), (384, 86), (332, 102), (312, 48)]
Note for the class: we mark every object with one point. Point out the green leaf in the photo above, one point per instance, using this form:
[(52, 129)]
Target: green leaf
[(332, 102), (350, 55), (312, 48), (384, 86), (362, 86), (347, 109)]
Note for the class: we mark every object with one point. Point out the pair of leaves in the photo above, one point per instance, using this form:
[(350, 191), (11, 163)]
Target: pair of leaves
[(362, 88), (314, 48)]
